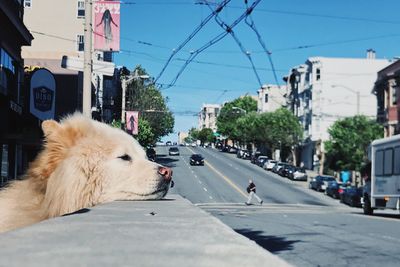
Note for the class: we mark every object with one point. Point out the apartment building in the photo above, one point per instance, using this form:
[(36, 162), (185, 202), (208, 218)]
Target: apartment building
[(387, 92), (58, 29), (323, 90), (270, 97), (208, 116), (13, 35)]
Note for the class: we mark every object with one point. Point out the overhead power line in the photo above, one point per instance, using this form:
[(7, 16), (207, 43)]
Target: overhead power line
[(190, 37), (224, 26), (213, 41), (249, 21)]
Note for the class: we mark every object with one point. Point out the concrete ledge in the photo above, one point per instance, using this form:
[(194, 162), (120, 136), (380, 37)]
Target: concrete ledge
[(170, 232)]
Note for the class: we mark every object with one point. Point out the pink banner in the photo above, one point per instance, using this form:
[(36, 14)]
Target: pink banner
[(106, 25), (132, 122)]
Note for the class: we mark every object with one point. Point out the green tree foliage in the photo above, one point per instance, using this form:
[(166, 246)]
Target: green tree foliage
[(206, 135), (231, 112), (145, 136), (247, 127), (349, 139), (143, 96)]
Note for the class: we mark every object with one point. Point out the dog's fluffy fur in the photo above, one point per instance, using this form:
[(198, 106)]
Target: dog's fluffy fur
[(83, 163)]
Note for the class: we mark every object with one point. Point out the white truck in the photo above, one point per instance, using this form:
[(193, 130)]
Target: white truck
[(382, 190)]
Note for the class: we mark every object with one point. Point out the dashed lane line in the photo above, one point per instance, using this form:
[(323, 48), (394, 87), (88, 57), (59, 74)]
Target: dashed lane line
[(229, 181)]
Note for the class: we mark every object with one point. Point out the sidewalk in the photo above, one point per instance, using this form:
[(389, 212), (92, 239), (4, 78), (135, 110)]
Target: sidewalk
[(171, 232)]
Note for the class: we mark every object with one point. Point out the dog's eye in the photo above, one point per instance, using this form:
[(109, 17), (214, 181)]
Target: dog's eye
[(125, 157)]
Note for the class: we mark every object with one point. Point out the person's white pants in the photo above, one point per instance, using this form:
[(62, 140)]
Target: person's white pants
[(251, 197)]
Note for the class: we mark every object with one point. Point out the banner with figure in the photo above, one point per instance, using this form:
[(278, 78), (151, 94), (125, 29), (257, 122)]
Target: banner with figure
[(132, 122), (106, 25)]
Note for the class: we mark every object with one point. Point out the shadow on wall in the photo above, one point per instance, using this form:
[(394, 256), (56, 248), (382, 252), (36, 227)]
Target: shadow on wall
[(273, 244)]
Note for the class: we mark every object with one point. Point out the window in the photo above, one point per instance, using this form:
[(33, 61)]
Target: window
[(388, 163), (81, 42), (394, 95), (81, 9), (28, 3), (266, 98), (318, 74), (396, 160), (379, 163)]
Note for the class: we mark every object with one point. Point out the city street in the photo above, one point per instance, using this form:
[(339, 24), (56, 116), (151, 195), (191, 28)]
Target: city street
[(302, 226)]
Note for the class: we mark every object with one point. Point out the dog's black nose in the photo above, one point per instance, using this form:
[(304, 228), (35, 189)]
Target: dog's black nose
[(165, 172)]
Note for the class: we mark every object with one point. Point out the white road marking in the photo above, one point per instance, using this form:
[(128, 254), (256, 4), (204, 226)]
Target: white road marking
[(205, 189)]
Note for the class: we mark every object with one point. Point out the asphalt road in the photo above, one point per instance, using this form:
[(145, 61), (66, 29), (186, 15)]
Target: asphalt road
[(302, 226)]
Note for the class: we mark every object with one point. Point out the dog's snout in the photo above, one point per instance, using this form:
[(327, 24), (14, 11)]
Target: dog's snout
[(165, 172)]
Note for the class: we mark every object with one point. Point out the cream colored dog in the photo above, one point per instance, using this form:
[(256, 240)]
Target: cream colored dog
[(83, 163)]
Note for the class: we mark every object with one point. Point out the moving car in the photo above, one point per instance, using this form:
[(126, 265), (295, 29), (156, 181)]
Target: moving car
[(196, 159), (320, 182), (173, 151)]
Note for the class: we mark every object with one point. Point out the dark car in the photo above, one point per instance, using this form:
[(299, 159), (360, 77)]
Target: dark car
[(320, 182), (277, 167), (254, 156), (173, 151), (352, 196), (196, 159), (151, 154), (261, 160), (287, 170), (332, 189)]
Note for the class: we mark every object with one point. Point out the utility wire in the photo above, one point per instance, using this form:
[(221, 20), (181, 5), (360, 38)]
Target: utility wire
[(213, 41), (224, 26), (250, 22), (190, 37)]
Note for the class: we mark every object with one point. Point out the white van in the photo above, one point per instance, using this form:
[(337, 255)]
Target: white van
[(383, 189)]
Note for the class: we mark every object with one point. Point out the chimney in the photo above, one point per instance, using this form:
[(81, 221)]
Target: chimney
[(371, 54)]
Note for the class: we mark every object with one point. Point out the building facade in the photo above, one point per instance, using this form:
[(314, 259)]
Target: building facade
[(324, 90), (208, 116), (387, 92), (270, 98), (58, 29), (13, 35)]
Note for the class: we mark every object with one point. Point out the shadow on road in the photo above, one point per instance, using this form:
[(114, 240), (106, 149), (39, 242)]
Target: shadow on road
[(271, 243), (379, 215), (166, 160)]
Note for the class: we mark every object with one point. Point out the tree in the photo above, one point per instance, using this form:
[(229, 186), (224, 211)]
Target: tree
[(206, 135), (348, 143), (279, 130), (145, 136), (230, 112), (144, 97)]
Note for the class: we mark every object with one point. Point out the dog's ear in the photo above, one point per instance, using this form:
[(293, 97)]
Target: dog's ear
[(49, 127)]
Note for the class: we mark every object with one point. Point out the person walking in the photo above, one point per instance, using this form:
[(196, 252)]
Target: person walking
[(251, 189)]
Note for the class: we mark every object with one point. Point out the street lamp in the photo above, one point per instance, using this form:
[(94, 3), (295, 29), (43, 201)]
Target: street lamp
[(125, 82), (353, 91)]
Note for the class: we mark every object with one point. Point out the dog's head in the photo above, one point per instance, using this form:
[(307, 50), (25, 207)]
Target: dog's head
[(85, 162)]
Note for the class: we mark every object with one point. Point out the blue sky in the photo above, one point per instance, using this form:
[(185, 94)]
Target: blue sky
[(340, 28)]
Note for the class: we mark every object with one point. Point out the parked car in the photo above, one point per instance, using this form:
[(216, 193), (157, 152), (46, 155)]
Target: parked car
[(261, 160), (151, 154), (168, 143), (286, 170), (299, 174), (254, 156), (277, 167), (320, 182), (269, 164), (352, 196), (196, 159), (173, 151)]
